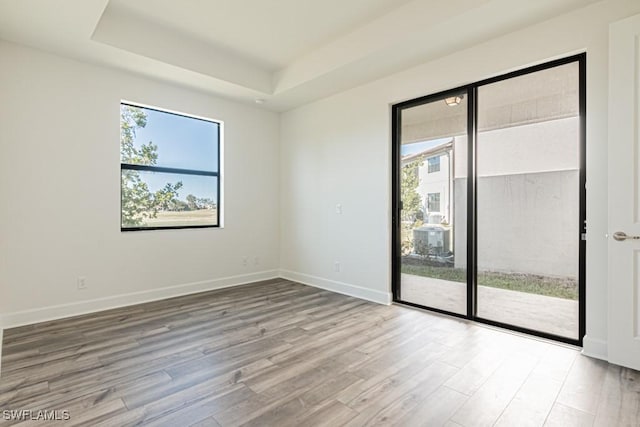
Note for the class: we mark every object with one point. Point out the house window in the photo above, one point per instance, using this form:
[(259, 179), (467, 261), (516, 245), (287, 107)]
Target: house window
[(169, 170), (433, 164), (433, 202)]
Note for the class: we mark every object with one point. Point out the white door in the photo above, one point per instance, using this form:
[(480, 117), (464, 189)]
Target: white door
[(624, 192)]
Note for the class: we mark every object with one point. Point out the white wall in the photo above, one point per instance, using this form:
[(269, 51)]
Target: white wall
[(338, 150), (60, 187)]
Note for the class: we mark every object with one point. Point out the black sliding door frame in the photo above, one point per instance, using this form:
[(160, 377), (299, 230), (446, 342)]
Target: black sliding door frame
[(470, 91)]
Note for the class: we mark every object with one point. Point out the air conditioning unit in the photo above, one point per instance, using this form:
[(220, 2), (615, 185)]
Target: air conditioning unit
[(431, 240)]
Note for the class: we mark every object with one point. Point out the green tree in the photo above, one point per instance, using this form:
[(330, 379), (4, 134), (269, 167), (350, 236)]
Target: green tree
[(192, 202), (138, 202), (411, 203), (206, 203)]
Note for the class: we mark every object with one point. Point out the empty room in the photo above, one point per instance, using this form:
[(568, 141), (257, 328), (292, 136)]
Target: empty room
[(320, 213)]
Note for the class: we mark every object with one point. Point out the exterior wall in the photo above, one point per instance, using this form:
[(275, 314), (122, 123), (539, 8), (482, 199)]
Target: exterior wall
[(527, 223), (543, 146)]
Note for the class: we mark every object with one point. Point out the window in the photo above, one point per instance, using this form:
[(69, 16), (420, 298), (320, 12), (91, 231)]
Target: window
[(433, 164), (433, 202), (169, 170)]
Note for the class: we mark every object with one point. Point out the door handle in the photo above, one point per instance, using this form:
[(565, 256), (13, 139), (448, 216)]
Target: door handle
[(621, 236)]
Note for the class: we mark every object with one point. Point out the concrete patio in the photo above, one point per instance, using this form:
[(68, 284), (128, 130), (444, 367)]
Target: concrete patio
[(552, 315)]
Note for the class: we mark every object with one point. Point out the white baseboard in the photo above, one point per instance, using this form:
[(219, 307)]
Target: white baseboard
[(595, 348), (27, 317), (54, 312), (338, 287)]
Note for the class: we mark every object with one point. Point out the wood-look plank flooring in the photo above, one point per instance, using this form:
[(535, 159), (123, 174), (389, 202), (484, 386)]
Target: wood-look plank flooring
[(278, 353)]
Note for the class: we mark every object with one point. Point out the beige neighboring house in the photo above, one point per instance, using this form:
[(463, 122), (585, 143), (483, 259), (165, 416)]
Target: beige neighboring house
[(435, 181)]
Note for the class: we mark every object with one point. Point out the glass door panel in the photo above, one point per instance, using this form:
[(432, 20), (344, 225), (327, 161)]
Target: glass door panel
[(433, 194), (528, 201)]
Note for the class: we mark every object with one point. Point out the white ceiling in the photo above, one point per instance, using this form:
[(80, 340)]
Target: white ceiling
[(271, 33), (286, 52)]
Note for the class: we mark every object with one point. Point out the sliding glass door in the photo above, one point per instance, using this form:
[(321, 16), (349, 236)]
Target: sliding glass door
[(489, 201)]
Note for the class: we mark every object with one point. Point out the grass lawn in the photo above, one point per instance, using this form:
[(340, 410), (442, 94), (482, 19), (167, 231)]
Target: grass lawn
[(534, 284), (169, 219)]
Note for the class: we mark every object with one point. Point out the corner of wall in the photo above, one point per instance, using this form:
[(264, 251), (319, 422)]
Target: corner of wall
[(338, 287)]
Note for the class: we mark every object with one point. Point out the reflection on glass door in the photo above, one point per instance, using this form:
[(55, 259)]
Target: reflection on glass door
[(528, 200), (433, 191)]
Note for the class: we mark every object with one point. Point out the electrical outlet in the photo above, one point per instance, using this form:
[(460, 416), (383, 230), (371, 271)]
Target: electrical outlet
[(339, 209), (336, 267), (82, 283), (245, 261)]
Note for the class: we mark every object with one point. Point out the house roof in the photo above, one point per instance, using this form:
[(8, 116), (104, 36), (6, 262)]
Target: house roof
[(429, 152)]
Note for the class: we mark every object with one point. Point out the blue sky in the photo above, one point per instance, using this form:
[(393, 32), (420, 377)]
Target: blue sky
[(417, 147), (184, 143)]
